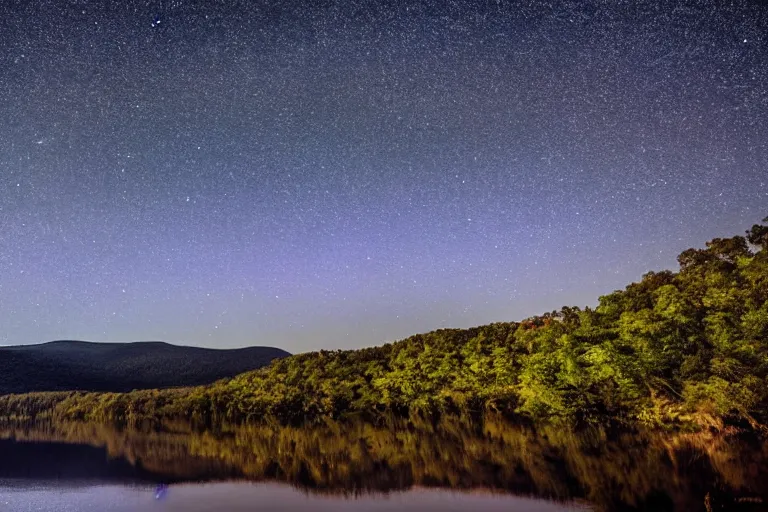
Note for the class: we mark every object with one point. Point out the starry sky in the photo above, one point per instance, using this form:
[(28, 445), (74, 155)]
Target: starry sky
[(338, 174)]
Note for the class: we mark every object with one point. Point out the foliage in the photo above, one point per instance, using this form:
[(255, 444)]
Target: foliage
[(685, 350)]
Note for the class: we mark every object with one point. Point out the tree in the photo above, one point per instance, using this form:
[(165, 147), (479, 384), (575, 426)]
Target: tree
[(758, 235)]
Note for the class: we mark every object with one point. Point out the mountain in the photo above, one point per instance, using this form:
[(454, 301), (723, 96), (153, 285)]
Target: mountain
[(676, 350), (82, 365)]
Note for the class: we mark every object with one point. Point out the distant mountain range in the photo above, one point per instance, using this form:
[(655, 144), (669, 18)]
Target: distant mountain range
[(81, 365)]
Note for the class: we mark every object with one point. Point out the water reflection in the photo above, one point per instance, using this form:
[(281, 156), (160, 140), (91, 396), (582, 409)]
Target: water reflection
[(249, 497), (619, 472)]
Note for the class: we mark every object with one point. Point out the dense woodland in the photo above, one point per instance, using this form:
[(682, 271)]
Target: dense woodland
[(686, 350)]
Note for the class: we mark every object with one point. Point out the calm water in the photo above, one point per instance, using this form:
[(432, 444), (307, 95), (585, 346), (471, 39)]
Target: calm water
[(451, 466), (29, 496)]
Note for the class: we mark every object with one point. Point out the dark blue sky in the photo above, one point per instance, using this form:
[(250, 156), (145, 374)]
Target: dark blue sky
[(236, 173)]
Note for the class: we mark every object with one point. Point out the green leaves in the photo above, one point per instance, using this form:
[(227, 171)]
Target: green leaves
[(674, 349)]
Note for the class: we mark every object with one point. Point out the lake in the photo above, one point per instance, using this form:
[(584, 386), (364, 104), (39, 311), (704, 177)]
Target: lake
[(406, 466), (37, 496)]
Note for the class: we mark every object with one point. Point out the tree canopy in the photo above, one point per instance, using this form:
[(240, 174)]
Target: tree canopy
[(686, 349)]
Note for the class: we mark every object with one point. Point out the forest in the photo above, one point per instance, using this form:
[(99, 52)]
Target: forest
[(685, 350)]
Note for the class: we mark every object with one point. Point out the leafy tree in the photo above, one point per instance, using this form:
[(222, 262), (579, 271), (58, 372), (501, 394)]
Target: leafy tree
[(686, 349)]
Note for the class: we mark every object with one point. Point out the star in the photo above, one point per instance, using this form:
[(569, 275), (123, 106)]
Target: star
[(493, 160)]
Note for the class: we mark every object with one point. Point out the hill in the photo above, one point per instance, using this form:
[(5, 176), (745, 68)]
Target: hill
[(81, 365), (686, 349)]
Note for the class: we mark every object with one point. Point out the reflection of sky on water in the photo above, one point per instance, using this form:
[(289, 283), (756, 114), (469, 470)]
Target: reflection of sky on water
[(25, 496)]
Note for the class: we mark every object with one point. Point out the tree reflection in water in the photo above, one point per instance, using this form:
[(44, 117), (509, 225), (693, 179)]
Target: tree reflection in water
[(610, 472)]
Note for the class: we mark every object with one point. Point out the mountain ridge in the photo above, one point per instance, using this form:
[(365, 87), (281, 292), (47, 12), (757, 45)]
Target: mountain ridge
[(684, 350), (124, 343), (122, 366)]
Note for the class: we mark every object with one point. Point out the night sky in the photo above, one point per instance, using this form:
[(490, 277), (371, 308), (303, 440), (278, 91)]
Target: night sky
[(340, 174)]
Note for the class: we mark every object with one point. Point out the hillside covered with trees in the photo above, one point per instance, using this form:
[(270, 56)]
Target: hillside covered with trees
[(686, 349)]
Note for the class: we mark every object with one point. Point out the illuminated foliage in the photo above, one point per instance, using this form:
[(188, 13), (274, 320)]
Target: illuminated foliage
[(686, 349)]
